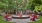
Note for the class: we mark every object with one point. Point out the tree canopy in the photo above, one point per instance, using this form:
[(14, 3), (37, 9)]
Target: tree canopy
[(20, 4)]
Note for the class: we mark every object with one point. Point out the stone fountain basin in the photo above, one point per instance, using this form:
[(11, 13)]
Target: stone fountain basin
[(23, 16)]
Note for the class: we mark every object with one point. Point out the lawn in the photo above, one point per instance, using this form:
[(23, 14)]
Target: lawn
[(1, 21)]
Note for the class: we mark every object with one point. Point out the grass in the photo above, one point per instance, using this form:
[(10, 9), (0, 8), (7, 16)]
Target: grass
[(1, 21), (40, 21)]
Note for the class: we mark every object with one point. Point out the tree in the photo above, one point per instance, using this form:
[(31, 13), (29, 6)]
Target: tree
[(38, 8), (38, 4), (37, 1), (3, 4)]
